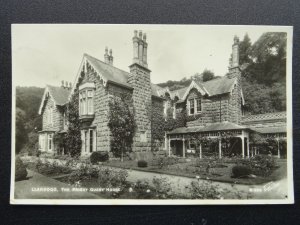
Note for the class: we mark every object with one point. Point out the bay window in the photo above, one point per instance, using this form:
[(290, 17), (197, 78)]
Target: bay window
[(86, 99)]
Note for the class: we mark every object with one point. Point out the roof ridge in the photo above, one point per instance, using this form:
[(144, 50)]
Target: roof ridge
[(85, 54)]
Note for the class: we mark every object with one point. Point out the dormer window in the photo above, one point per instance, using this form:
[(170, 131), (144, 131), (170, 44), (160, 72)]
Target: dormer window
[(194, 106), (86, 99)]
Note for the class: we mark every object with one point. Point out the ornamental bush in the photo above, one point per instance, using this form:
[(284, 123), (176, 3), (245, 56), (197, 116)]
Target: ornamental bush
[(262, 165), (142, 163), (21, 172), (99, 156), (241, 171), (204, 190)]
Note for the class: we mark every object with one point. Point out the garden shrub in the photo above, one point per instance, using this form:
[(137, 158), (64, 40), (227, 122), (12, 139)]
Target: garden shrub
[(162, 188), (20, 170), (84, 172), (204, 190), (143, 190), (241, 171), (262, 165), (99, 156), (51, 168), (110, 178), (142, 163)]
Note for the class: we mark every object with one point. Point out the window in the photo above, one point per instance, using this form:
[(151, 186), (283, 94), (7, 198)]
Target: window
[(198, 105), (86, 102), (88, 138), (192, 106), (50, 142), (42, 142)]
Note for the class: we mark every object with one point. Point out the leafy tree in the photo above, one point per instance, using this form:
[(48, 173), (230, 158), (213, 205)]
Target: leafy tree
[(122, 126), (21, 134), (244, 50), (73, 135), (207, 75)]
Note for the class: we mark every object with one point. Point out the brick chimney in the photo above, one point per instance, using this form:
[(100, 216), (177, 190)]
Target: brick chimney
[(234, 67), (106, 56), (140, 80), (62, 84), (140, 48), (111, 58)]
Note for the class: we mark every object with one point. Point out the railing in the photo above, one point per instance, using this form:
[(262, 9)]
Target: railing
[(266, 116)]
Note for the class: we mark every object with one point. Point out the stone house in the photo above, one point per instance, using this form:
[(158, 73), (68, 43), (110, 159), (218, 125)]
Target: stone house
[(209, 108)]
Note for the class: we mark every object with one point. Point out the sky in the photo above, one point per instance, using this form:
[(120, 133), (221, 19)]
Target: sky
[(47, 54)]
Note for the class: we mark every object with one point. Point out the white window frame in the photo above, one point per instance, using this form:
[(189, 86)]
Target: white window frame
[(195, 104), (86, 101)]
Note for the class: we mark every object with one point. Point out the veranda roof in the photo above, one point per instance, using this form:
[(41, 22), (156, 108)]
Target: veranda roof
[(221, 126), (271, 130)]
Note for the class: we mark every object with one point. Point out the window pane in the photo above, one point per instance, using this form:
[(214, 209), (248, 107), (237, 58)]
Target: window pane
[(90, 106), (91, 140), (198, 105), (192, 106)]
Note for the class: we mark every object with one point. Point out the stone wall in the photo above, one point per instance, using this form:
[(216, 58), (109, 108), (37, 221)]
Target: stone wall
[(140, 80), (57, 116), (100, 121)]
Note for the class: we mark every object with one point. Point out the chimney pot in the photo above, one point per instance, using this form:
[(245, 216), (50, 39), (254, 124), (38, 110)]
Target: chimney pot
[(140, 34), (144, 37), (110, 52), (135, 33), (62, 83)]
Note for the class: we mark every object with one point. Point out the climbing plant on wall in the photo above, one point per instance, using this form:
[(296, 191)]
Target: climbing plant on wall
[(121, 124), (73, 135)]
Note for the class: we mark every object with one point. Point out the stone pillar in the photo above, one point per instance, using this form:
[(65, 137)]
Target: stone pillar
[(220, 148), (278, 147), (106, 56), (248, 150), (183, 148), (200, 151), (169, 147), (243, 144)]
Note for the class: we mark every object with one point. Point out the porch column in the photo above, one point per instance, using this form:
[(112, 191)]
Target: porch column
[(183, 148), (278, 150), (255, 152), (243, 144), (252, 152), (220, 148), (248, 150), (166, 141), (169, 146), (200, 150)]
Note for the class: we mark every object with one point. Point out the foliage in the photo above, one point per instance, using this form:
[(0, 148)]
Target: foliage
[(157, 125), (59, 141), (51, 168), (142, 189), (207, 75), (110, 178), (121, 124), (27, 119), (99, 156), (21, 136), (262, 165), (244, 50), (20, 170), (142, 163), (204, 190), (84, 172), (73, 135), (162, 188), (241, 171)]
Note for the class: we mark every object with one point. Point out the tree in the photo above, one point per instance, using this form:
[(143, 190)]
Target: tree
[(73, 135), (244, 50), (207, 75), (121, 124), (21, 134)]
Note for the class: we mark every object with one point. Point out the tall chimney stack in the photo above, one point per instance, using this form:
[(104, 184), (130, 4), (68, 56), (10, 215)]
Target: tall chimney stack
[(140, 48), (106, 56), (111, 58), (235, 52)]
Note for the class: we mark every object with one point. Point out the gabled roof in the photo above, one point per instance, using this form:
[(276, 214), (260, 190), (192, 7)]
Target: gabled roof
[(108, 73), (218, 86), (221, 126), (59, 95)]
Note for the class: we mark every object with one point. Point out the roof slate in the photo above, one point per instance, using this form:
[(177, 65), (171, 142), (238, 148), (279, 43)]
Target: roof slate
[(271, 130), (221, 126), (218, 86), (60, 94)]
